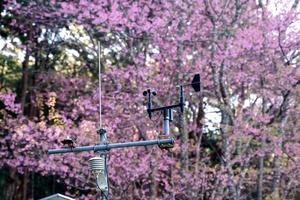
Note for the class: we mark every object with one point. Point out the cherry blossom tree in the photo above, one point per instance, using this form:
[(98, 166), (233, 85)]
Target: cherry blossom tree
[(248, 59)]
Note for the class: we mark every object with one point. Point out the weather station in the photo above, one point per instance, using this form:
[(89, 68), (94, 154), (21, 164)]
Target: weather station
[(98, 163)]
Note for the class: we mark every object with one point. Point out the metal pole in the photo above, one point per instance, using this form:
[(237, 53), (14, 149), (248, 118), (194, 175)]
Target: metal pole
[(101, 131), (182, 103), (106, 147), (100, 88), (103, 154), (166, 121)]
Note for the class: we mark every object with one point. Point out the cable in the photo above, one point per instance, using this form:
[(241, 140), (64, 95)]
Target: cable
[(102, 191), (106, 171)]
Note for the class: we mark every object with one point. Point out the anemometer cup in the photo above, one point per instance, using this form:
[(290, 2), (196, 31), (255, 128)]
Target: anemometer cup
[(167, 145)]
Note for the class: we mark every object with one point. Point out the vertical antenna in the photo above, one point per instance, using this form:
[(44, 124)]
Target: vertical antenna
[(102, 137), (100, 90)]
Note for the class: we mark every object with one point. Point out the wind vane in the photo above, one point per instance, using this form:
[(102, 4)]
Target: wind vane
[(98, 164)]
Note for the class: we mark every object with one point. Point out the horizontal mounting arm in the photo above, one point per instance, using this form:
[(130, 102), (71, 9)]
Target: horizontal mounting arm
[(181, 104), (165, 107), (103, 147)]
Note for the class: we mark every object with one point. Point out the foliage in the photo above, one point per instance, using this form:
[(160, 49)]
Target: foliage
[(248, 58)]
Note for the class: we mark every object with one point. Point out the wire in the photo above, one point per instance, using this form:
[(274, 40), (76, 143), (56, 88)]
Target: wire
[(102, 191), (106, 171)]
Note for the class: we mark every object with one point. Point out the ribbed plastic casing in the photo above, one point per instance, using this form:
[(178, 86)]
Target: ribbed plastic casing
[(97, 164)]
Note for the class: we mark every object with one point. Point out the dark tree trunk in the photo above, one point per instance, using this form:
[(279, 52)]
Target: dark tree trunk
[(185, 142), (12, 184), (24, 185), (25, 77)]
